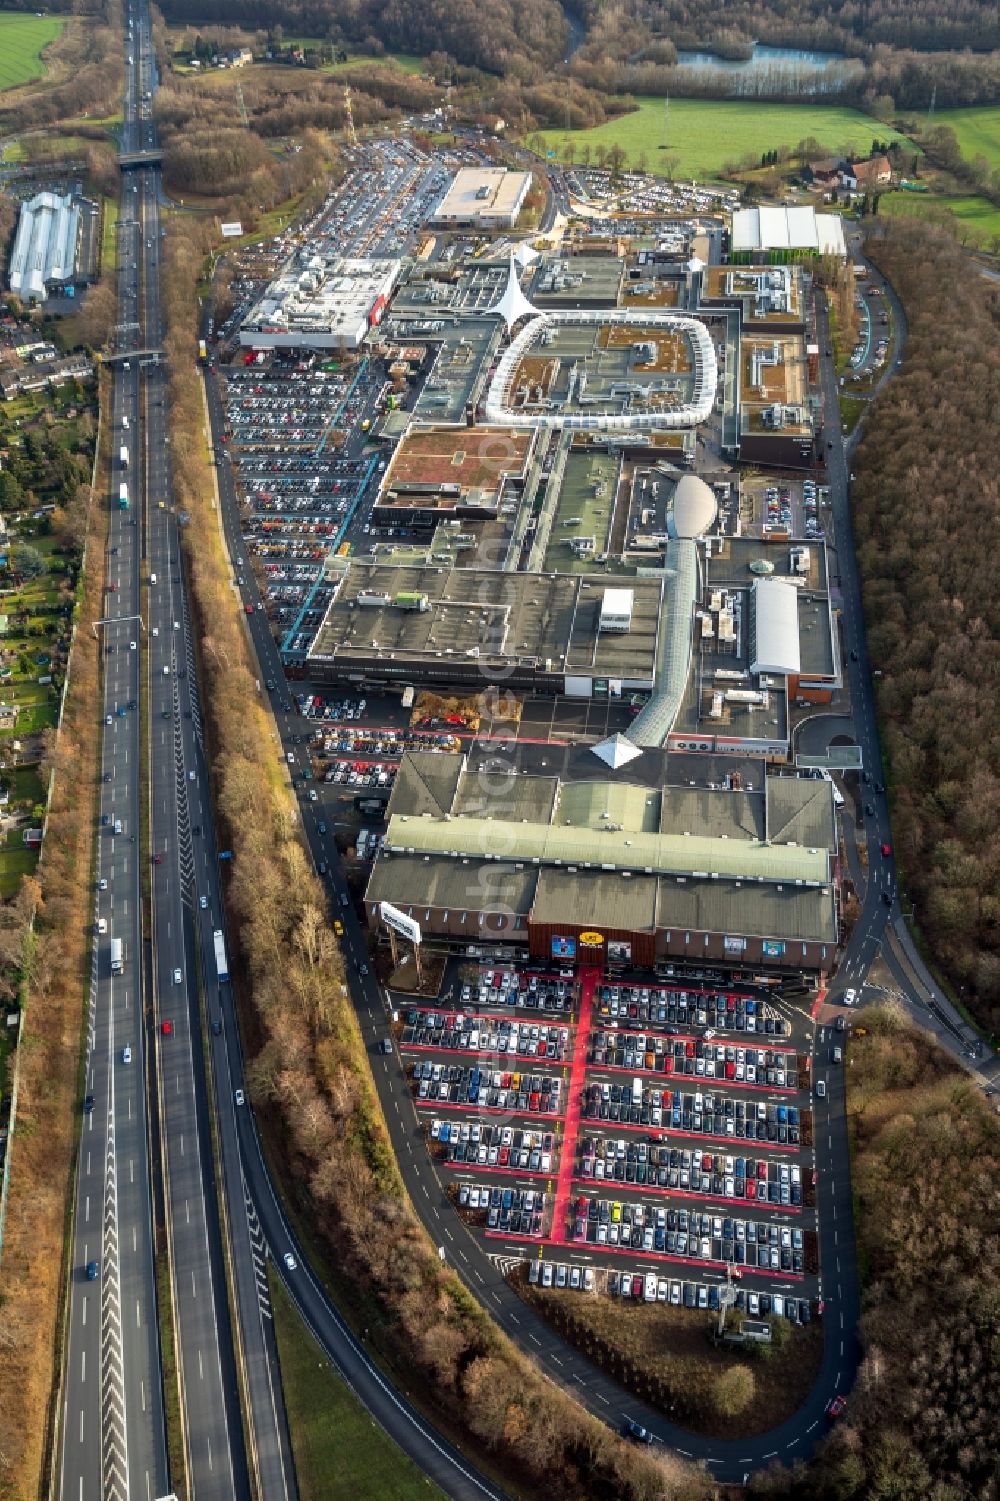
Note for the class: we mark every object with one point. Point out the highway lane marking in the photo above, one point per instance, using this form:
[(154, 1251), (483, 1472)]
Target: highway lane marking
[(201, 1371), (138, 1317), (86, 1209), (81, 1440)]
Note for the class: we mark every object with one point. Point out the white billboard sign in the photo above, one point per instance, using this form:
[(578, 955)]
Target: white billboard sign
[(393, 918), (232, 230)]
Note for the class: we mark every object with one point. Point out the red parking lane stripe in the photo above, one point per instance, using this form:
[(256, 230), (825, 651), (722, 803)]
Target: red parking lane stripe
[(574, 1099)]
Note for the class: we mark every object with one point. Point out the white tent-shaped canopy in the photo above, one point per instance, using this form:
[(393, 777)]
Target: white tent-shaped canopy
[(524, 255), (513, 305), (616, 751)]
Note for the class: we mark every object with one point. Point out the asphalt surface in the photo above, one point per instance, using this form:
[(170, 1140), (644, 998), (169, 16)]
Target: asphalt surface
[(113, 1439), (183, 873)]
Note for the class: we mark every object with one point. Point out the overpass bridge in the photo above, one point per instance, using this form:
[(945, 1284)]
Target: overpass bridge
[(133, 354), (150, 156)]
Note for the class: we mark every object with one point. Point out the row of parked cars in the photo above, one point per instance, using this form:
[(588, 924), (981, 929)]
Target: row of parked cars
[(383, 742), (454, 1085), (483, 1034), (687, 1170), (512, 1211), (518, 988), (361, 774), (677, 1110), (689, 1010), (670, 1231), (485, 1145), (777, 1069), (651, 1288), (314, 706)]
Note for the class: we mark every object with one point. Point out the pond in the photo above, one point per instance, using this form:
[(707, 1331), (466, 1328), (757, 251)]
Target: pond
[(764, 58)]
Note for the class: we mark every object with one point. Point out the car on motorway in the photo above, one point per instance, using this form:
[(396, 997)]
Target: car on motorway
[(167, 1028), (126, 1054), (177, 977), (102, 925), (88, 1104), (821, 1089), (850, 997), (835, 1406), (290, 1261), (107, 719), (239, 1097), (886, 849), (203, 902), (93, 1271)]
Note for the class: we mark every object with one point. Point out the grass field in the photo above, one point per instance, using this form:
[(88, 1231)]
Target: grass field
[(22, 39), (978, 215), (340, 1453), (109, 237), (706, 133), (978, 130)]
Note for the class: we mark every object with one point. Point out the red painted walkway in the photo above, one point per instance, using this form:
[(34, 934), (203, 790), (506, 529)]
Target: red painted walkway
[(589, 979)]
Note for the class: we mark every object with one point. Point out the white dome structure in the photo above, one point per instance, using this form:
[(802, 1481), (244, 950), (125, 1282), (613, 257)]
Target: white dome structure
[(513, 305), (694, 507)]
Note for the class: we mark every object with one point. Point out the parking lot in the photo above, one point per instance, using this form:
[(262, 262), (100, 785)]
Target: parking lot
[(664, 1127)]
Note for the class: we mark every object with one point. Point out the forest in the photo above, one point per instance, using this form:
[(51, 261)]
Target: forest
[(927, 507), (919, 1425)]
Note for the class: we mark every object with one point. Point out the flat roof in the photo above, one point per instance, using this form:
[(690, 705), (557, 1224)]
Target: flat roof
[(732, 565), (473, 458), (544, 621), (483, 193), (609, 850), (331, 295)]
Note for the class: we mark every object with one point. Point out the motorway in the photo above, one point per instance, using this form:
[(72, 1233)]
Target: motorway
[(186, 909), (113, 1441)]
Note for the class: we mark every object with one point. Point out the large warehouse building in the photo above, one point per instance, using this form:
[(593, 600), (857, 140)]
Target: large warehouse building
[(44, 255), (787, 229), (537, 632), (553, 853), (483, 198), (324, 304)]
